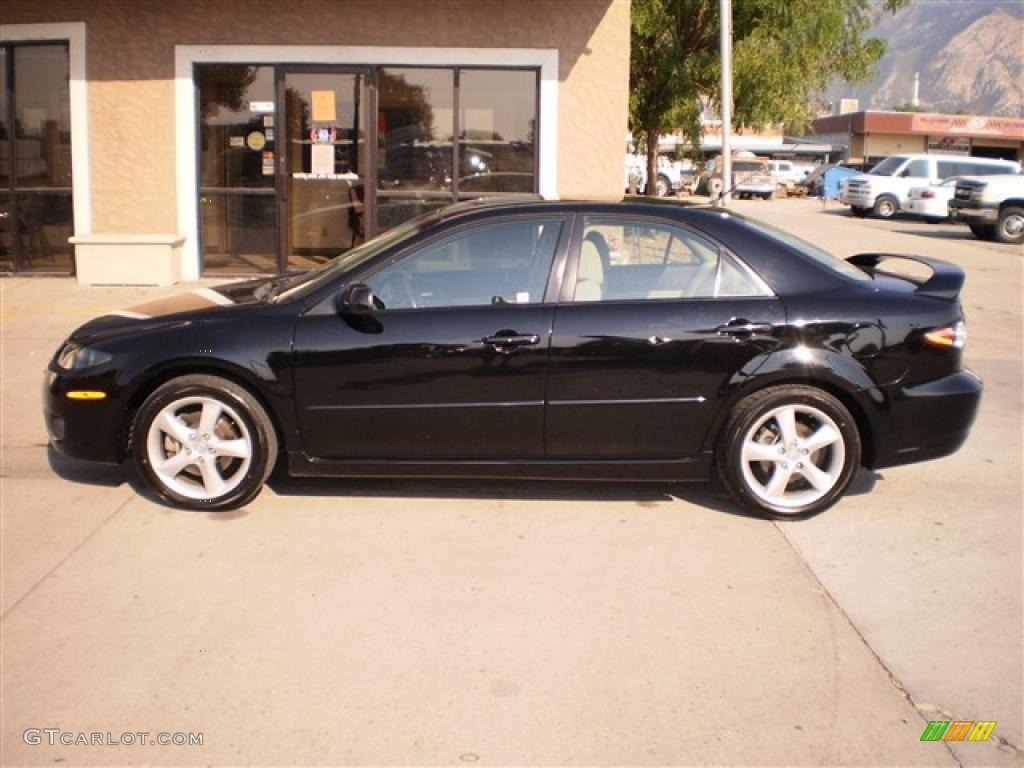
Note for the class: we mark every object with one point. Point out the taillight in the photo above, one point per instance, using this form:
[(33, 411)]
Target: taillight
[(952, 336)]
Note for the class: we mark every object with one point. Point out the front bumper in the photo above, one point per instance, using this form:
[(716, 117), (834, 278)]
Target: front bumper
[(857, 199), (82, 429), (928, 421), (969, 211)]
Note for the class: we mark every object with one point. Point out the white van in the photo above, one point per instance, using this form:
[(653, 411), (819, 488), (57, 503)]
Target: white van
[(884, 189)]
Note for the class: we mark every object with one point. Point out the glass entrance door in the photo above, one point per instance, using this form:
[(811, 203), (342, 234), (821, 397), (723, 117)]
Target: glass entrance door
[(322, 189)]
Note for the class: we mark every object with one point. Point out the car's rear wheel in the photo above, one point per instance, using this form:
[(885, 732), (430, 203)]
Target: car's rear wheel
[(662, 187), (789, 452), (203, 442), (1010, 228), (984, 231), (886, 207)]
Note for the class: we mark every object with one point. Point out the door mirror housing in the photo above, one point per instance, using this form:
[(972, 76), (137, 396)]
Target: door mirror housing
[(357, 299)]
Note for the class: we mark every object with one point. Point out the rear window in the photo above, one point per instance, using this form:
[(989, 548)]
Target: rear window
[(747, 167), (824, 258)]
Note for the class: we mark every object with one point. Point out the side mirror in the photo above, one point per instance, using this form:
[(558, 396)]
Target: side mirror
[(357, 299)]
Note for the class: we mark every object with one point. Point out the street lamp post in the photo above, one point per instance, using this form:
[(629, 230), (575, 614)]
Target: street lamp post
[(726, 46)]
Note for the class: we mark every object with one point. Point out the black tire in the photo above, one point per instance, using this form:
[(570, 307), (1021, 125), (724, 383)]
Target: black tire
[(859, 212), (984, 231), (662, 187), (240, 421), (814, 409), (886, 207), (1010, 227)]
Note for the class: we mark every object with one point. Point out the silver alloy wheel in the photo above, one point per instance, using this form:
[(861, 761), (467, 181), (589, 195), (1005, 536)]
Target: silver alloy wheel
[(199, 448), (1013, 225), (792, 456), (885, 208)]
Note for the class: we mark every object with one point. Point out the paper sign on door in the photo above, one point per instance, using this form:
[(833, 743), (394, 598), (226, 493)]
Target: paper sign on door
[(323, 107)]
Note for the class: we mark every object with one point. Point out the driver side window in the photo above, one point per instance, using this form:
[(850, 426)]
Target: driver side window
[(504, 263)]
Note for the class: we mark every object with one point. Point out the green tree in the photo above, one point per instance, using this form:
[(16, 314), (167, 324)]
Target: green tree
[(785, 53)]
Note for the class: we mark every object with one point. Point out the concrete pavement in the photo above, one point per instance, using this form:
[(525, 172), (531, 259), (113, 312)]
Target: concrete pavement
[(337, 622)]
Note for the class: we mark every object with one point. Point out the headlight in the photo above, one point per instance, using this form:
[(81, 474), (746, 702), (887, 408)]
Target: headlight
[(73, 357)]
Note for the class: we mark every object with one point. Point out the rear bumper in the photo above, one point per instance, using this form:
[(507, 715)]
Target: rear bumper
[(929, 420), (928, 208)]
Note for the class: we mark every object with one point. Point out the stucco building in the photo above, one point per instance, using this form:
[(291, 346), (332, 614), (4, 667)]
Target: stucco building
[(873, 135), (152, 141)]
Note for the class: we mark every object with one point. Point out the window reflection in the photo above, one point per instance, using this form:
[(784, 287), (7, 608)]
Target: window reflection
[(237, 140), (497, 138), (415, 124)]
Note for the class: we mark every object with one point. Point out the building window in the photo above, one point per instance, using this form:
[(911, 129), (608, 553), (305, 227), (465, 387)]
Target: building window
[(36, 211), (329, 173), (497, 132)]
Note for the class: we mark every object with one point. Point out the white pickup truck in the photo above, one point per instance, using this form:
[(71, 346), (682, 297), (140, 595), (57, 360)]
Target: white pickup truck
[(992, 206)]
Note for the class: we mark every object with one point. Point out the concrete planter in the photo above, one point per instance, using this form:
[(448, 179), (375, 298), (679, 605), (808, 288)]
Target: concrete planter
[(119, 259)]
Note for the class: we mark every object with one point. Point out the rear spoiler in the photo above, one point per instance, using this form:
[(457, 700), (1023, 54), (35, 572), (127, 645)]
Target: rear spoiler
[(945, 283)]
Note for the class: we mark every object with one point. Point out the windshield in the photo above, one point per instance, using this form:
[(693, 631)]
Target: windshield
[(749, 167), (824, 258), (307, 282), (889, 166)]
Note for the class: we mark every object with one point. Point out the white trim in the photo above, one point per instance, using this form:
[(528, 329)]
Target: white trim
[(78, 86), (185, 56)]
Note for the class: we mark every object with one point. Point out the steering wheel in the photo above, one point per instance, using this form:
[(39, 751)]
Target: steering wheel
[(396, 290)]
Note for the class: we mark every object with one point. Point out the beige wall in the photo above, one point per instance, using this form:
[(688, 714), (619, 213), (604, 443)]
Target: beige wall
[(893, 144), (130, 64)]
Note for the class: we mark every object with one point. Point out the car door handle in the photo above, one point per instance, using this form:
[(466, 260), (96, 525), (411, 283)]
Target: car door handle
[(744, 328), (506, 341)]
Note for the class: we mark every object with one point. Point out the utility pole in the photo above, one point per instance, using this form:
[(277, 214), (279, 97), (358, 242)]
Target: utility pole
[(726, 45)]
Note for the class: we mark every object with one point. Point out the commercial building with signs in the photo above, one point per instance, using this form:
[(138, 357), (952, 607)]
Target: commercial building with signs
[(147, 142), (873, 135)]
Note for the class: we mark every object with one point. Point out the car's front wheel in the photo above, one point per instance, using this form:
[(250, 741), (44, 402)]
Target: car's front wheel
[(789, 452), (204, 442), (1010, 228), (886, 207)]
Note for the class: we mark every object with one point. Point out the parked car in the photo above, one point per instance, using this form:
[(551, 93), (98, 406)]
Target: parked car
[(751, 177), (883, 190), (931, 202), (673, 176), (993, 207), (786, 173), (591, 341)]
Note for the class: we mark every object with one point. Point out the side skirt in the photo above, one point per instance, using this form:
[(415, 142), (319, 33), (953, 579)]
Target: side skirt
[(301, 465)]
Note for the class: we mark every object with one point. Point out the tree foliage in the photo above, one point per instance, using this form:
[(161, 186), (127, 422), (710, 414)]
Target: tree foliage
[(785, 54)]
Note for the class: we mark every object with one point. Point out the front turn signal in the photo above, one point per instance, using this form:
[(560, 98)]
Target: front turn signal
[(85, 394)]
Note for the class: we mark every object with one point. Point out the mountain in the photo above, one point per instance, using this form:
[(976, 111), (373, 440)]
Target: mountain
[(969, 55)]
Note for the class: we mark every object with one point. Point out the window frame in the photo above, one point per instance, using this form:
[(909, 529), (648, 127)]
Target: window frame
[(568, 287)]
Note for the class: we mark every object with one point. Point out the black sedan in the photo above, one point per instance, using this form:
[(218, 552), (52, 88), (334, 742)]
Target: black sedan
[(592, 341)]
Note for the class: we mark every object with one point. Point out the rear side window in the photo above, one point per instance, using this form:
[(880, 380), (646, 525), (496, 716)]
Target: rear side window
[(917, 169), (633, 260)]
